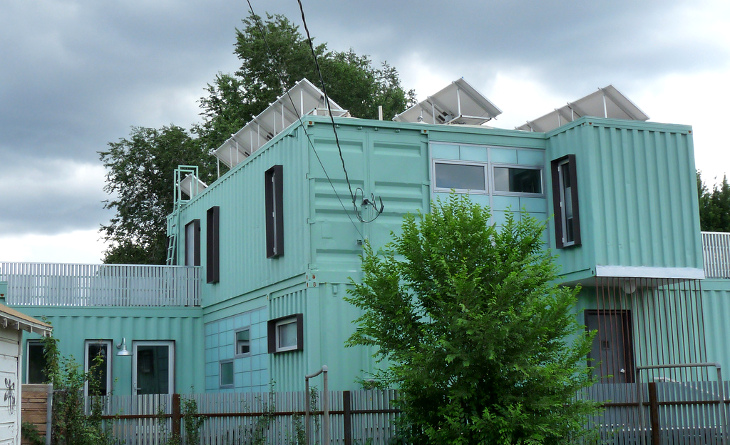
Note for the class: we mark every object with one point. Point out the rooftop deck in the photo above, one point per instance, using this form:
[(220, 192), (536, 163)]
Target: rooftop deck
[(94, 285), (98, 285)]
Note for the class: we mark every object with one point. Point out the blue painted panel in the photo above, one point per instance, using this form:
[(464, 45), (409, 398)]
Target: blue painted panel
[(506, 203), (473, 153), (531, 157), (503, 155), (444, 151)]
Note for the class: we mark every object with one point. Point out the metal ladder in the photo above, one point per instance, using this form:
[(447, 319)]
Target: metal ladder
[(173, 220)]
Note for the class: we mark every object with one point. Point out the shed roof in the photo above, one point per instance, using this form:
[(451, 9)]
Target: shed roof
[(10, 318)]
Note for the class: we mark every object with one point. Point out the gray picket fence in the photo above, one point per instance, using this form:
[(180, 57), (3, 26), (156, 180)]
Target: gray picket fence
[(356, 417)]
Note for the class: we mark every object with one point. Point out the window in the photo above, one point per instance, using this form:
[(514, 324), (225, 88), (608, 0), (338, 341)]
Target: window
[(274, 211), (226, 374), (460, 176), (286, 333), (518, 180), (243, 341), (565, 202), (212, 245), (153, 367), (35, 362), (103, 372), (192, 243)]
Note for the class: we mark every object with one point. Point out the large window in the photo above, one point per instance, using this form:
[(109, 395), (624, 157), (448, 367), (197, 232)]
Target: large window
[(274, 211), (460, 176), (565, 202), (517, 180), (212, 245), (286, 333), (35, 362), (192, 243), (98, 360)]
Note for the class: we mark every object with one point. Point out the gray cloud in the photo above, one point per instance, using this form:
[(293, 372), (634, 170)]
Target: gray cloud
[(75, 75)]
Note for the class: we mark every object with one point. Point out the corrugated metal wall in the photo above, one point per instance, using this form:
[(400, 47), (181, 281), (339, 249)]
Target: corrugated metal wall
[(240, 195), (183, 326), (638, 203)]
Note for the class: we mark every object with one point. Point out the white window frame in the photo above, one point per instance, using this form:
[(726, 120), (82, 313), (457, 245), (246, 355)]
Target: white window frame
[(235, 342), (87, 363), (484, 165), (171, 357), (220, 374), (522, 167), (286, 321), (27, 356)]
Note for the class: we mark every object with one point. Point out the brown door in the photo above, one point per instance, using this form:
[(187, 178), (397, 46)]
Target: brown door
[(612, 353)]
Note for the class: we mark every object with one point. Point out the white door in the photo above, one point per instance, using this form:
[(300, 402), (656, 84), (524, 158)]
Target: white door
[(153, 367), (9, 387)]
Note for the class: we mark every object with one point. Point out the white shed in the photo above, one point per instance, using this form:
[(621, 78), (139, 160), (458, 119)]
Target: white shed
[(12, 323)]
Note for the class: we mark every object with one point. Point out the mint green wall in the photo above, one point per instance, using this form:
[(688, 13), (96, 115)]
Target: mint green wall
[(72, 326), (638, 203), (240, 195), (716, 311)]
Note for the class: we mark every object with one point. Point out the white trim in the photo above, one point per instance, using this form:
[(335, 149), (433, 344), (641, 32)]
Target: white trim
[(109, 368), (170, 357), (484, 165), (650, 272), (28, 343), (288, 320)]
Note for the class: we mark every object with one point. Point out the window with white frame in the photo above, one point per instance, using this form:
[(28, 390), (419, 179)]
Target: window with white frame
[(286, 333), (517, 179), (35, 362), (460, 176), (226, 374), (98, 361), (243, 341)]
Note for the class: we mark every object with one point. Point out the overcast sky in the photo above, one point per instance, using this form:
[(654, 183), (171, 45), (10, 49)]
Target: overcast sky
[(75, 75)]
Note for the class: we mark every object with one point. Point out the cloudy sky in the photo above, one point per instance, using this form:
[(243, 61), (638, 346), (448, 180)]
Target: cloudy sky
[(77, 74)]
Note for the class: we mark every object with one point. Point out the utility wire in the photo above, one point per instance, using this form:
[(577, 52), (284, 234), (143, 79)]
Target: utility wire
[(299, 118), (334, 128)]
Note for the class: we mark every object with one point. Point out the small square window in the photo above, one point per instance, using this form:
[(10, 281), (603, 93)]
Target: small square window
[(226, 375), (243, 342), (286, 333)]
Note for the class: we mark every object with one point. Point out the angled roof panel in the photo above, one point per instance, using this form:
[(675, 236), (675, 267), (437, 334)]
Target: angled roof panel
[(302, 99), (458, 103), (607, 102)]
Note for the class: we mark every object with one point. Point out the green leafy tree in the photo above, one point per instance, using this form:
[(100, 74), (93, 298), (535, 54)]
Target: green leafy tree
[(140, 172), (273, 61), (714, 205), (484, 347), (139, 167)]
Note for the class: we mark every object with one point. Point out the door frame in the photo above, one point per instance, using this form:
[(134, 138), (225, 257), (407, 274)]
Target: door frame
[(170, 357), (627, 337)]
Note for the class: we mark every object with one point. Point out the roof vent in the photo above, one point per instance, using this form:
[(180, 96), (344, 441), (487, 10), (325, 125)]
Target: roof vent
[(458, 103)]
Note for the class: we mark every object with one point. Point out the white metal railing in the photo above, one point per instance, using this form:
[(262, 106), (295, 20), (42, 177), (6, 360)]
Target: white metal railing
[(716, 254), (89, 285)]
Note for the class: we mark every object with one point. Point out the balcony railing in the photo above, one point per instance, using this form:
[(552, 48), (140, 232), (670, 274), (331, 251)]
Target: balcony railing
[(93, 285), (716, 254)]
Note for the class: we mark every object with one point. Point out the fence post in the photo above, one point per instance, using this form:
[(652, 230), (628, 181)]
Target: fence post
[(347, 421), (176, 415), (654, 414)]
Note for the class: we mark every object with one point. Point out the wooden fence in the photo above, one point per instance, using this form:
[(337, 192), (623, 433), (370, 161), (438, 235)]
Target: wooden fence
[(36, 401), (356, 417)]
